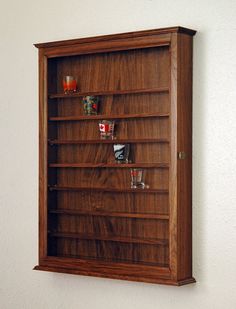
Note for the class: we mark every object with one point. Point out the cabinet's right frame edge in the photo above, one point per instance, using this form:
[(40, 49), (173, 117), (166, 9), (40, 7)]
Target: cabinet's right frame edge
[(181, 169)]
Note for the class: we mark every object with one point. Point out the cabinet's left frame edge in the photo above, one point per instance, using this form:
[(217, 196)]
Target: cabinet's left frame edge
[(43, 154)]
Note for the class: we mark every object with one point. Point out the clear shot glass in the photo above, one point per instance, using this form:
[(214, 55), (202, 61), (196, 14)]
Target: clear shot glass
[(137, 178)]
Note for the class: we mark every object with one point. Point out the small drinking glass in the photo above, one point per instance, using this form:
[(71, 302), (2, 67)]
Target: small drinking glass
[(106, 128), (121, 152), (69, 84), (90, 105), (137, 178)]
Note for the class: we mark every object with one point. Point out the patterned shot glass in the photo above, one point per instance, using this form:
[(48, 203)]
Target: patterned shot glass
[(90, 104), (121, 152), (106, 128)]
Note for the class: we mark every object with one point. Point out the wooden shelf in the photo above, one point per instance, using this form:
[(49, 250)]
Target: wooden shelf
[(110, 165), (102, 213), (109, 141), (161, 266), (94, 189), (134, 240), (107, 93), (100, 117)]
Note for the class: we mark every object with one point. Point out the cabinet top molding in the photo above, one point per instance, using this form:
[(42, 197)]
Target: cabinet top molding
[(118, 36)]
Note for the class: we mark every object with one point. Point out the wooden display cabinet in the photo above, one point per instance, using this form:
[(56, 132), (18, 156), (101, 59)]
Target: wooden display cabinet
[(91, 222)]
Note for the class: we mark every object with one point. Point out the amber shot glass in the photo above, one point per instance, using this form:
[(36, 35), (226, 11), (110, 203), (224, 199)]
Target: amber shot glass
[(69, 84)]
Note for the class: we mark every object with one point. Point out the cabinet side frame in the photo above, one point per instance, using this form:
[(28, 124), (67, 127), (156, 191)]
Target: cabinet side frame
[(181, 168), (43, 155)]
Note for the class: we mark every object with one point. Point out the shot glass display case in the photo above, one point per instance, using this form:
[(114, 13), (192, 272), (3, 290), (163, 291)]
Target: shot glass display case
[(91, 221)]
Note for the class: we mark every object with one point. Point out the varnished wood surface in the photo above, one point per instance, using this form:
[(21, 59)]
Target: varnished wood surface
[(111, 165), (111, 178), (112, 251), (101, 226), (99, 117), (119, 36), (101, 189), (125, 128), (140, 153), (86, 203), (110, 214), (43, 156), (149, 270), (108, 268), (181, 170), (107, 93), (155, 279), (139, 103), (109, 141), (128, 202), (184, 168), (147, 241)]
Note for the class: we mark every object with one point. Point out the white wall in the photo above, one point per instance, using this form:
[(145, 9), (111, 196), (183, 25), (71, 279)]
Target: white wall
[(25, 22)]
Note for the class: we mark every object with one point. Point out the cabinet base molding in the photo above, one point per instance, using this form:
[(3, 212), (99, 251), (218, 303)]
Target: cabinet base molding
[(115, 276)]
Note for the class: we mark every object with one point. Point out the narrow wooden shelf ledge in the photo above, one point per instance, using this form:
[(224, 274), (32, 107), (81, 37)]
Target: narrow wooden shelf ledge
[(109, 141), (102, 213), (109, 165), (161, 266), (147, 241), (94, 189), (99, 117), (108, 92)]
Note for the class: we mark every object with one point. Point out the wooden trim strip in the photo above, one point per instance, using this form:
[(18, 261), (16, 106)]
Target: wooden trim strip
[(108, 141), (118, 36), (125, 190), (101, 213), (100, 117), (109, 165), (108, 93)]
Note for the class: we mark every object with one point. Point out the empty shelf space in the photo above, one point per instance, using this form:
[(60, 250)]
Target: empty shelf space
[(108, 141), (108, 92), (109, 214), (161, 266), (125, 190), (110, 165), (148, 241)]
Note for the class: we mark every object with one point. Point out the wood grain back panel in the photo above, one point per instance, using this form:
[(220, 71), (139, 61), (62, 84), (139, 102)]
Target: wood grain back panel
[(124, 129), (110, 202), (115, 104), (155, 178), (113, 252), (104, 153), (137, 69), (112, 226), (134, 69)]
